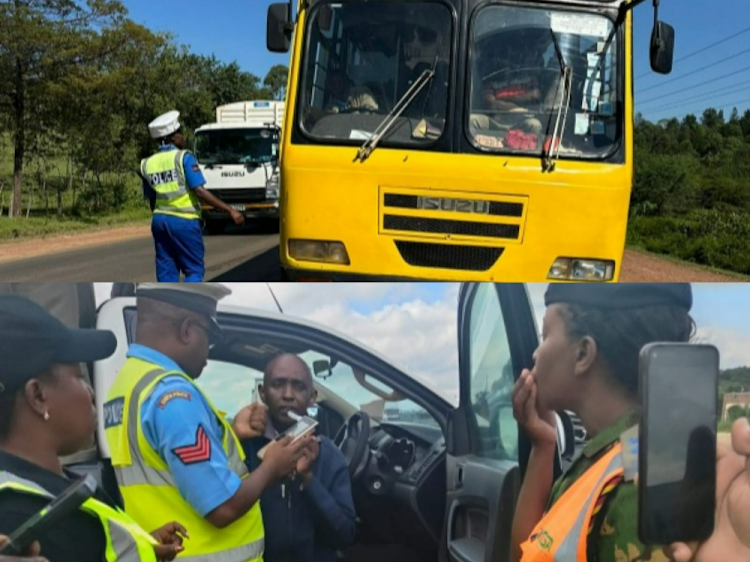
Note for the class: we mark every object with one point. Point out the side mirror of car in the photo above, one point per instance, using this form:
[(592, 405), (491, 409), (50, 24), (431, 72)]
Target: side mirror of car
[(322, 366), (662, 48), (279, 28)]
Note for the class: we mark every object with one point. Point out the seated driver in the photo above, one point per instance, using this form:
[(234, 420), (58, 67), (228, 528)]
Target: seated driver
[(347, 97), (310, 516)]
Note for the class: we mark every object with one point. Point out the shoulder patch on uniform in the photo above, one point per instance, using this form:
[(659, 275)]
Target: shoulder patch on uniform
[(171, 395), (196, 168), (200, 451), (113, 412)]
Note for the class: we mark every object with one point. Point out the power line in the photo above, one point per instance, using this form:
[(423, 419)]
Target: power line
[(707, 67), (722, 107), (715, 79), (703, 50), (695, 99), (731, 89)]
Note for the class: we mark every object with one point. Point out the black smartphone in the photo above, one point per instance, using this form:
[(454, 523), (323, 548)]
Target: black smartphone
[(67, 502), (677, 442)]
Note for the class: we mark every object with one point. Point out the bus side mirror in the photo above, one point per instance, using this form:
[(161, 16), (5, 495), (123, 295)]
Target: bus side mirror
[(278, 28), (662, 48)]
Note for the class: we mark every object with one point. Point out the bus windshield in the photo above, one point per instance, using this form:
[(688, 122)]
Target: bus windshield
[(517, 93), (362, 57), (236, 146)]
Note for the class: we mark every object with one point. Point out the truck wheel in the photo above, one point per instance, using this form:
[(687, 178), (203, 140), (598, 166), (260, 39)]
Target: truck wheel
[(215, 227)]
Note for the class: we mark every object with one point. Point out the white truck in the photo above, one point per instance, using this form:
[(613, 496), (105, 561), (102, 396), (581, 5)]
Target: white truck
[(238, 156)]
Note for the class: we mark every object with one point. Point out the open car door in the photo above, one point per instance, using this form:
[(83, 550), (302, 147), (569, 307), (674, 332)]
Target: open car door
[(486, 453)]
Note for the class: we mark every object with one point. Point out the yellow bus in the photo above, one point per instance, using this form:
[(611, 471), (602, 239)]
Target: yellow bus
[(458, 139)]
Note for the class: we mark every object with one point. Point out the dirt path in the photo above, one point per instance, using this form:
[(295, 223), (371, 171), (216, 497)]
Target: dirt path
[(639, 267), (35, 247)]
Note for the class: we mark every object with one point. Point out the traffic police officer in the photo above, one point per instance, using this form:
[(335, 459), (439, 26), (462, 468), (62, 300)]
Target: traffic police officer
[(173, 453), (587, 363), (173, 184)]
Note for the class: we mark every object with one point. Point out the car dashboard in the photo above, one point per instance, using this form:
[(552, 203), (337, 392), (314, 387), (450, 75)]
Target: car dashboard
[(402, 492)]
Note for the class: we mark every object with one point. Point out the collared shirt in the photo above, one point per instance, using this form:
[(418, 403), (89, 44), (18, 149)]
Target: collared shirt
[(193, 175), (614, 536), (174, 417)]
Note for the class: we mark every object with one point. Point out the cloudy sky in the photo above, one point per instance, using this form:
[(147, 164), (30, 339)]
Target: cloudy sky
[(414, 324)]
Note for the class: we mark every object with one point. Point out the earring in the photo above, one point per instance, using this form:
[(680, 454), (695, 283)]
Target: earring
[(46, 416)]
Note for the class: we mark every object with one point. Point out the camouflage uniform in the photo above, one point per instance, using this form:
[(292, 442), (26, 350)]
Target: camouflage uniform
[(614, 533)]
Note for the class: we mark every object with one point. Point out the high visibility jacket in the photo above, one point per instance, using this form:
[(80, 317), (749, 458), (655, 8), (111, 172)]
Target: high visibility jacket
[(165, 173), (561, 535), (125, 540), (148, 489)]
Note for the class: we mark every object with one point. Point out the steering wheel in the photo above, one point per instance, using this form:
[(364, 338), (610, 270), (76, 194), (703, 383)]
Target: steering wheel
[(353, 441)]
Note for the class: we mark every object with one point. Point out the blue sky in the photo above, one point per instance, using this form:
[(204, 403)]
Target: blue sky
[(235, 30)]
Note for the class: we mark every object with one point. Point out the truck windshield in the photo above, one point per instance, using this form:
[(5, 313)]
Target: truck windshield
[(236, 146), (517, 60), (362, 57)]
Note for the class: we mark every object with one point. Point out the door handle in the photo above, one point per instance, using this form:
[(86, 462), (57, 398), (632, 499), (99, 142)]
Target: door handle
[(459, 482)]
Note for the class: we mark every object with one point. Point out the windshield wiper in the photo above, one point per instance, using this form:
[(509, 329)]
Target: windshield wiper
[(563, 104), (385, 125)]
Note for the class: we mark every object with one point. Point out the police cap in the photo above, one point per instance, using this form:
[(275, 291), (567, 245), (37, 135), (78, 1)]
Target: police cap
[(32, 339), (621, 295), (201, 298), (164, 125)]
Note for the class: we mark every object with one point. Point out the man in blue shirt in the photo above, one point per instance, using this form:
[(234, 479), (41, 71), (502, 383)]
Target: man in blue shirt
[(174, 187), (310, 516)]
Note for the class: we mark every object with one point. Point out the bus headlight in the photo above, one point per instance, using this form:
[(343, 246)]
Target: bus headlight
[(319, 250), (272, 187), (580, 269)]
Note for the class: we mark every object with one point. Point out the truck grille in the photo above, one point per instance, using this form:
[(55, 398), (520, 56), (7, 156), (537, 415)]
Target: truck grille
[(448, 256), (240, 195), (439, 214)]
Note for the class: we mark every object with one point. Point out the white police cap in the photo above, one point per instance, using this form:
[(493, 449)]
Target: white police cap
[(164, 125), (198, 297)]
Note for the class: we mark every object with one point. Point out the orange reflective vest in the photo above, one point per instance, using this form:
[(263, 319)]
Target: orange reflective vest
[(561, 535)]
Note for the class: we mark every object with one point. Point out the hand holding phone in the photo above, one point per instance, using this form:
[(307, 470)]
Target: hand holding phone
[(677, 442), (304, 426), (730, 541), (282, 454), (70, 500), (31, 554)]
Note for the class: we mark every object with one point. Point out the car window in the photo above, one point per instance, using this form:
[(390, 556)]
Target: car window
[(229, 386), (491, 372), (340, 380)]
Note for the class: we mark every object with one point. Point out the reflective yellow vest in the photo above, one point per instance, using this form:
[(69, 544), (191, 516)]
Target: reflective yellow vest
[(165, 173), (125, 540), (148, 489)]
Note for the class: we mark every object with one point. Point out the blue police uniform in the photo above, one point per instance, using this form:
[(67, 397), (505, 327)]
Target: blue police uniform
[(178, 242), (167, 416)]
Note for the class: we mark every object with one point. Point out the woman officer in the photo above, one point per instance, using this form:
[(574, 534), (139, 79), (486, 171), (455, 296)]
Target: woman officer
[(47, 411)]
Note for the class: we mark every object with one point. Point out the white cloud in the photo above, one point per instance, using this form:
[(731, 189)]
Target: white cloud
[(732, 344)]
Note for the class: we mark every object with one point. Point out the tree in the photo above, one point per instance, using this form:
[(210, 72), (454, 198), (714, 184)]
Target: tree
[(275, 81), (41, 42)]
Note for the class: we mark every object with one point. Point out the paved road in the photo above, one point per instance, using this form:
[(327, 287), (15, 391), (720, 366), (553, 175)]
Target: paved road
[(248, 254), (238, 255)]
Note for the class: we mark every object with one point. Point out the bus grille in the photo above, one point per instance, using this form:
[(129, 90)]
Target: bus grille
[(441, 226), (448, 256), (475, 218)]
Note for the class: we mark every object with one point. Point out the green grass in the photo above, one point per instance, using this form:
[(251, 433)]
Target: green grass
[(11, 229)]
